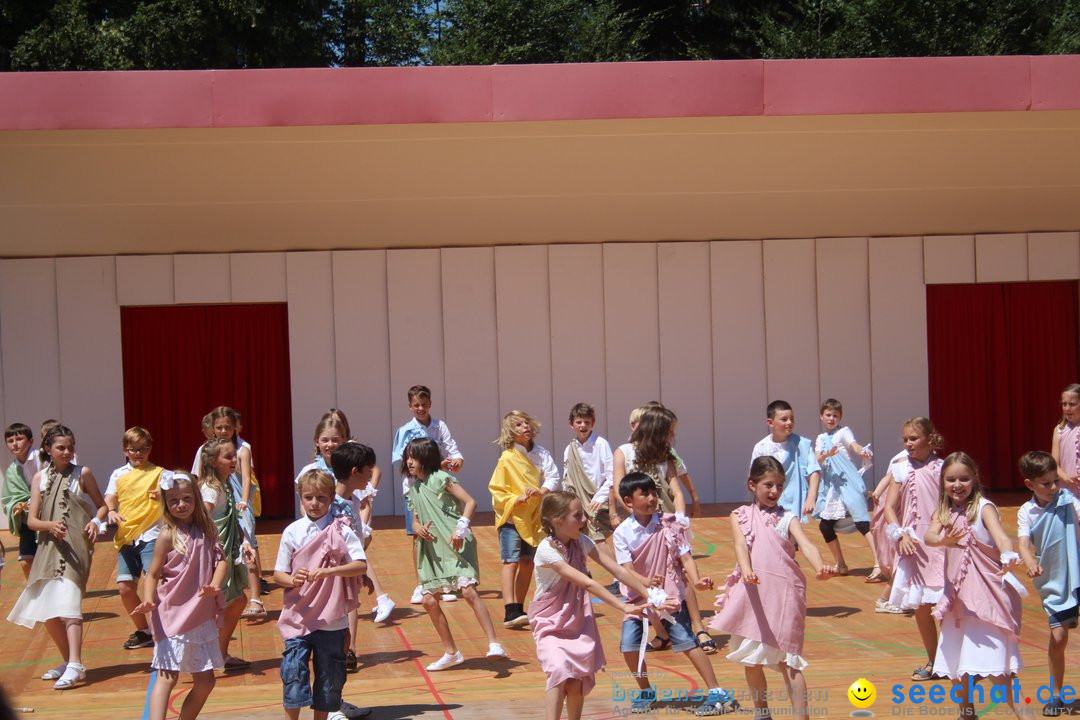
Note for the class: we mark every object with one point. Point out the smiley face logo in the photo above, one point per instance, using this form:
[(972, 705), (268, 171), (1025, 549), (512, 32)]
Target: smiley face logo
[(862, 694)]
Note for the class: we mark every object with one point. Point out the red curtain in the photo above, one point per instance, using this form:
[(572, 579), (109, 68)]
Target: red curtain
[(999, 355), (182, 361)]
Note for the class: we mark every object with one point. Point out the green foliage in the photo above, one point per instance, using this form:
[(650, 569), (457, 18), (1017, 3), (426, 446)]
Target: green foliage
[(188, 34)]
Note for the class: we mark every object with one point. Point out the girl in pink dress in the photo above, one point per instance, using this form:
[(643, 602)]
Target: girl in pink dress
[(763, 604), (183, 594), (567, 640), (919, 574), (1065, 444), (981, 606)]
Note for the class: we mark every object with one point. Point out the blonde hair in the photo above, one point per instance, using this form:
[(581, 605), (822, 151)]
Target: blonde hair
[(1071, 389), (944, 509), (927, 429), (506, 432), (334, 419), (200, 516), (208, 455), (137, 434), (554, 505), (319, 478)]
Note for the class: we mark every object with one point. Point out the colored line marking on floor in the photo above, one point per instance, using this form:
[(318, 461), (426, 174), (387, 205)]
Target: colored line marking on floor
[(149, 689), (424, 674)]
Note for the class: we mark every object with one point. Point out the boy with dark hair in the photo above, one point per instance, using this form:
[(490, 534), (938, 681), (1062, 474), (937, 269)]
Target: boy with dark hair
[(796, 454), (19, 439)]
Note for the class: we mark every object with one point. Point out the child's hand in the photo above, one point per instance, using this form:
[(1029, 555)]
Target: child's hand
[(953, 536), (318, 573), (826, 572), (241, 506), (695, 508), (423, 531), (808, 506), (832, 451), (58, 529), (20, 508), (704, 583), (457, 543), (92, 530), (906, 545), (114, 517), (366, 583), (613, 518), (522, 499), (209, 590), (532, 491), (142, 608), (635, 610), (750, 577), (249, 553), (594, 507), (656, 581), (155, 495), (1034, 570), (299, 577)]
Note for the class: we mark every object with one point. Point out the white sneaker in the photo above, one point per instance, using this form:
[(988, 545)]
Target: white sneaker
[(386, 606), (336, 716), (447, 661), (417, 596), (495, 650), (449, 597)]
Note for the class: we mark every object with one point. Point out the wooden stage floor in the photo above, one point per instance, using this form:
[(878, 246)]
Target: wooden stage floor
[(845, 640)]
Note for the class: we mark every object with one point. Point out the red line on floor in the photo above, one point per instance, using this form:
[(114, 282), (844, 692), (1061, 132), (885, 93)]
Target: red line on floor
[(424, 674)]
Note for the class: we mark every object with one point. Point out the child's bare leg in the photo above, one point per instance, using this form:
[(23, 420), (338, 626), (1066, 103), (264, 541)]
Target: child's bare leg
[(25, 564), (254, 569), (352, 631), (232, 618), (509, 579), (837, 553), (869, 537), (631, 662), (553, 702), (73, 630), (927, 630), (292, 713), (129, 598), (58, 633), (320, 715), (1055, 651), (1002, 681), (759, 687), (796, 686), (480, 610), (159, 697), (201, 686), (575, 700), (966, 708), (523, 580), (694, 610), (701, 663), (438, 619)]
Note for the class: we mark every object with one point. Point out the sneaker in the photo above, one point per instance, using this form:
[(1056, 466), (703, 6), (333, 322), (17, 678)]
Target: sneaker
[(138, 639), (354, 712), (718, 702), (1055, 707), (417, 596), (519, 620), (643, 702), (446, 661), (495, 650), (264, 587), (614, 588), (385, 606)]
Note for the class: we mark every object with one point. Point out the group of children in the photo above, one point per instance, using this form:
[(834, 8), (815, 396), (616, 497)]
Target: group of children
[(937, 543)]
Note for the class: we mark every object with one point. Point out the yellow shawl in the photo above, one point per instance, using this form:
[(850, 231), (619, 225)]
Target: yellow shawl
[(513, 475), (135, 504)]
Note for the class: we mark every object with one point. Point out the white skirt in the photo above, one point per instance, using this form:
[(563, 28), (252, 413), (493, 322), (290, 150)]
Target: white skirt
[(970, 646), (45, 600), (907, 593), (754, 652), (190, 652)]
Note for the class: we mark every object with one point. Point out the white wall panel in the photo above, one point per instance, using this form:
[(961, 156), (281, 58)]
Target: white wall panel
[(311, 346), (1001, 258), (843, 300), (257, 277), (470, 404), (949, 259), (686, 375), (414, 302), (144, 280), (3, 516), (631, 333), (791, 329), (897, 342), (577, 338), (1053, 256), (91, 366), (29, 340), (524, 334), (740, 391), (202, 279), (362, 357)]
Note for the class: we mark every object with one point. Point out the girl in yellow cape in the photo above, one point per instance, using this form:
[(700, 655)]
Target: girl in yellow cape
[(524, 474)]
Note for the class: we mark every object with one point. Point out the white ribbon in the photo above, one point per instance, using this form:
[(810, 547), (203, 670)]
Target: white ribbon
[(867, 460), (462, 530), (167, 481), (656, 597)]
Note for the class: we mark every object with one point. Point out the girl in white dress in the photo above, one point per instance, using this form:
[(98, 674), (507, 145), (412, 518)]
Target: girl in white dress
[(68, 526)]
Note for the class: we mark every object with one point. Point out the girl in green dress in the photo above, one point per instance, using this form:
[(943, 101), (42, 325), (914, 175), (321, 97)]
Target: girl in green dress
[(445, 548)]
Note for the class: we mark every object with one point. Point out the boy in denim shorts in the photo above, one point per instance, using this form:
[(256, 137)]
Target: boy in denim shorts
[(655, 548)]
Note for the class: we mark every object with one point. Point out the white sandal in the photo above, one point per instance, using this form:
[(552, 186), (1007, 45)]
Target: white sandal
[(55, 673), (73, 674)]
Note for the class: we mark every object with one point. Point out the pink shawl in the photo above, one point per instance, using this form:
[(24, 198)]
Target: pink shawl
[(659, 555), (314, 605), (975, 588), (918, 502), (1069, 449), (567, 640), (180, 608), (773, 612)]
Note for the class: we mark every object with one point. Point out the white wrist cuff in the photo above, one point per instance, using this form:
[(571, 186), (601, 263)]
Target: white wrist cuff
[(102, 526), (1009, 557), (682, 519)]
